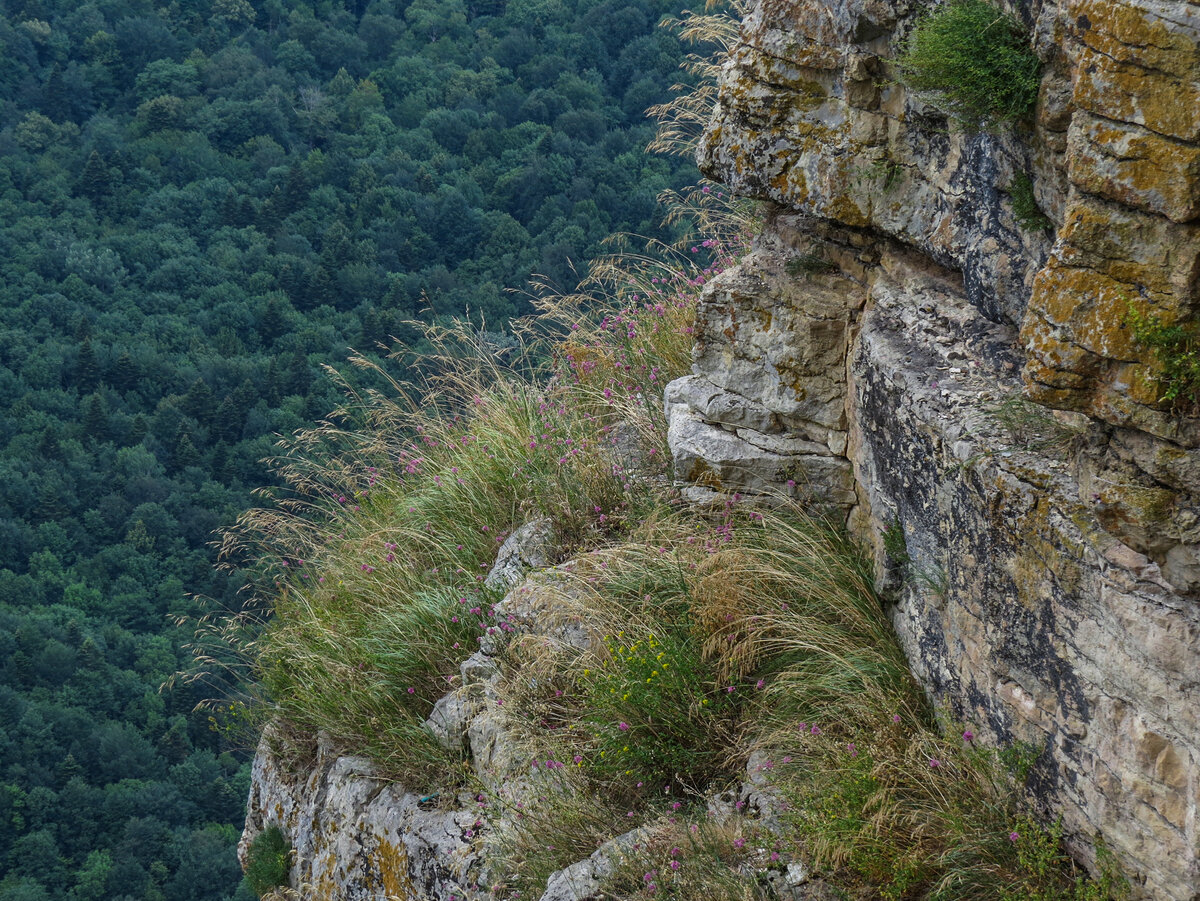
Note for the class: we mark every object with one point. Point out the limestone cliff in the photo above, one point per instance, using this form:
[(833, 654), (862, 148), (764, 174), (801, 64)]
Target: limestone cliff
[(965, 392), (899, 348)]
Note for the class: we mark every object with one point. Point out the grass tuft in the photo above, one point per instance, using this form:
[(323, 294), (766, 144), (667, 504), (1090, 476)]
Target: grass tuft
[(975, 61), (268, 861)]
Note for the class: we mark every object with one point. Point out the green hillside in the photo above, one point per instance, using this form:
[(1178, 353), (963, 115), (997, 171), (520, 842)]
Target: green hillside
[(202, 203)]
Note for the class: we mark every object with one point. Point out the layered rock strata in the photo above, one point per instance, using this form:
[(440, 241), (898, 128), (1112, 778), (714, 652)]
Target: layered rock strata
[(980, 382)]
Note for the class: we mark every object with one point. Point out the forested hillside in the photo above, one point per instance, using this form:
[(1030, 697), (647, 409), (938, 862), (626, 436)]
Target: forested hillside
[(202, 202)]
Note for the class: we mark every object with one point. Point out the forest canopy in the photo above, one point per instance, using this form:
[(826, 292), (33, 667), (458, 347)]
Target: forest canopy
[(202, 203)]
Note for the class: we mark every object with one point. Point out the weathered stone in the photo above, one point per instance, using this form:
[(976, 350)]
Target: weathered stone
[(711, 457), (807, 117), (357, 837), (451, 715), (720, 406), (1025, 618), (1138, 61), (778, 338), (529, 547), (581, 881), (1082, 352), (1134, 166)]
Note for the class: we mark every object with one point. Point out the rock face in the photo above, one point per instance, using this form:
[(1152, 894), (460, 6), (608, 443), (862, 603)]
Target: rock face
[(899, 349), (358, 838)]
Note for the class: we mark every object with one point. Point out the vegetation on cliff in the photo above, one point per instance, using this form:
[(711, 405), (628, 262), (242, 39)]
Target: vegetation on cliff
[(976, 62), (743, 636)]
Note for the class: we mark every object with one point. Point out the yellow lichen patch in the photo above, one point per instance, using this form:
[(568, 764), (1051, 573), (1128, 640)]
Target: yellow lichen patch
[(1139, 249), (1140, 383), (1129, 93), (791, 185), (1137, 167), (1043, 563), (843, 208), (1124, 32), (1090, 306), (391, 863)]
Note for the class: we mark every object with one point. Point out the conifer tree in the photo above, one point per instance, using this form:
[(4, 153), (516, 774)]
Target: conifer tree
[(95, 182)]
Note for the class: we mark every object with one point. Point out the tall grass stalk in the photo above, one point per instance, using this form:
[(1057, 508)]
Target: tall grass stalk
[(368, 589)]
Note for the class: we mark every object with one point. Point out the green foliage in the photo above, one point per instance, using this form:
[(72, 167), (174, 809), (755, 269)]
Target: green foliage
[(975, 61), (904, 810), (888, 800), (1176, 349), (268, 861), (202, 205), (895, 545), (654, 709), (1025, 208), (375, 581), (809, 263)]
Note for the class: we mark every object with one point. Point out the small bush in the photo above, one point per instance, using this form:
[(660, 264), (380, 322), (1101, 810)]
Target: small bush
[(655, 710), (976, 62), (895, 545), (1025, 207), (1177, 350), (268, 861)]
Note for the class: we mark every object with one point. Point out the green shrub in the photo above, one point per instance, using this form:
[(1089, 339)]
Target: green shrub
[(268, 861), (1177, 350), (976, 62), (655, 710), (1025, 207)]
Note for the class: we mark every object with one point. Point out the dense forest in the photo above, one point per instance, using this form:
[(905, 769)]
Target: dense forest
[(202, 202)]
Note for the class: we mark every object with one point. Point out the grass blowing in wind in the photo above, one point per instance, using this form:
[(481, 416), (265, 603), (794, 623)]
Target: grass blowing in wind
[(372, 560)]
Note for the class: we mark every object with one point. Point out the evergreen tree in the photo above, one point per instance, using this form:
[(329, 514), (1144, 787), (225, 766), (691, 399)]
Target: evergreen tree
[(56, 103), (183, 451), (199, 402), (95, 419), (124, 373), (139, 430), (226, 424), (87, 370)]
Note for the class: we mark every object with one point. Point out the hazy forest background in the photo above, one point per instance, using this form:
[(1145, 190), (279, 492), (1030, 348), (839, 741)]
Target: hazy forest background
[(202, 202)]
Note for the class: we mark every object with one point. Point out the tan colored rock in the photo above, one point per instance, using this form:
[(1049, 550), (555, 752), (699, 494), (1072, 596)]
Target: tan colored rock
[(1082, 351), (357, 837), (1134, 166), (1137, 61)]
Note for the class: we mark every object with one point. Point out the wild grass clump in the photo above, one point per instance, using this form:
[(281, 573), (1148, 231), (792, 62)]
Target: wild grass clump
[(268, 861), (761, 632), (544, 830), (703, 634), (903, 810), (1176, 348), (371, 562), (975, 61), (698, 858), (1025, 206)]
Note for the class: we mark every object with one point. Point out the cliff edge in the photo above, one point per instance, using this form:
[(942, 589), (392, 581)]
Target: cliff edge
[(968, 390)]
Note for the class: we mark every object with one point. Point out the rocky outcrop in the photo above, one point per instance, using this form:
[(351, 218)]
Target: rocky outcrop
[(357, 837), (898, 348)]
